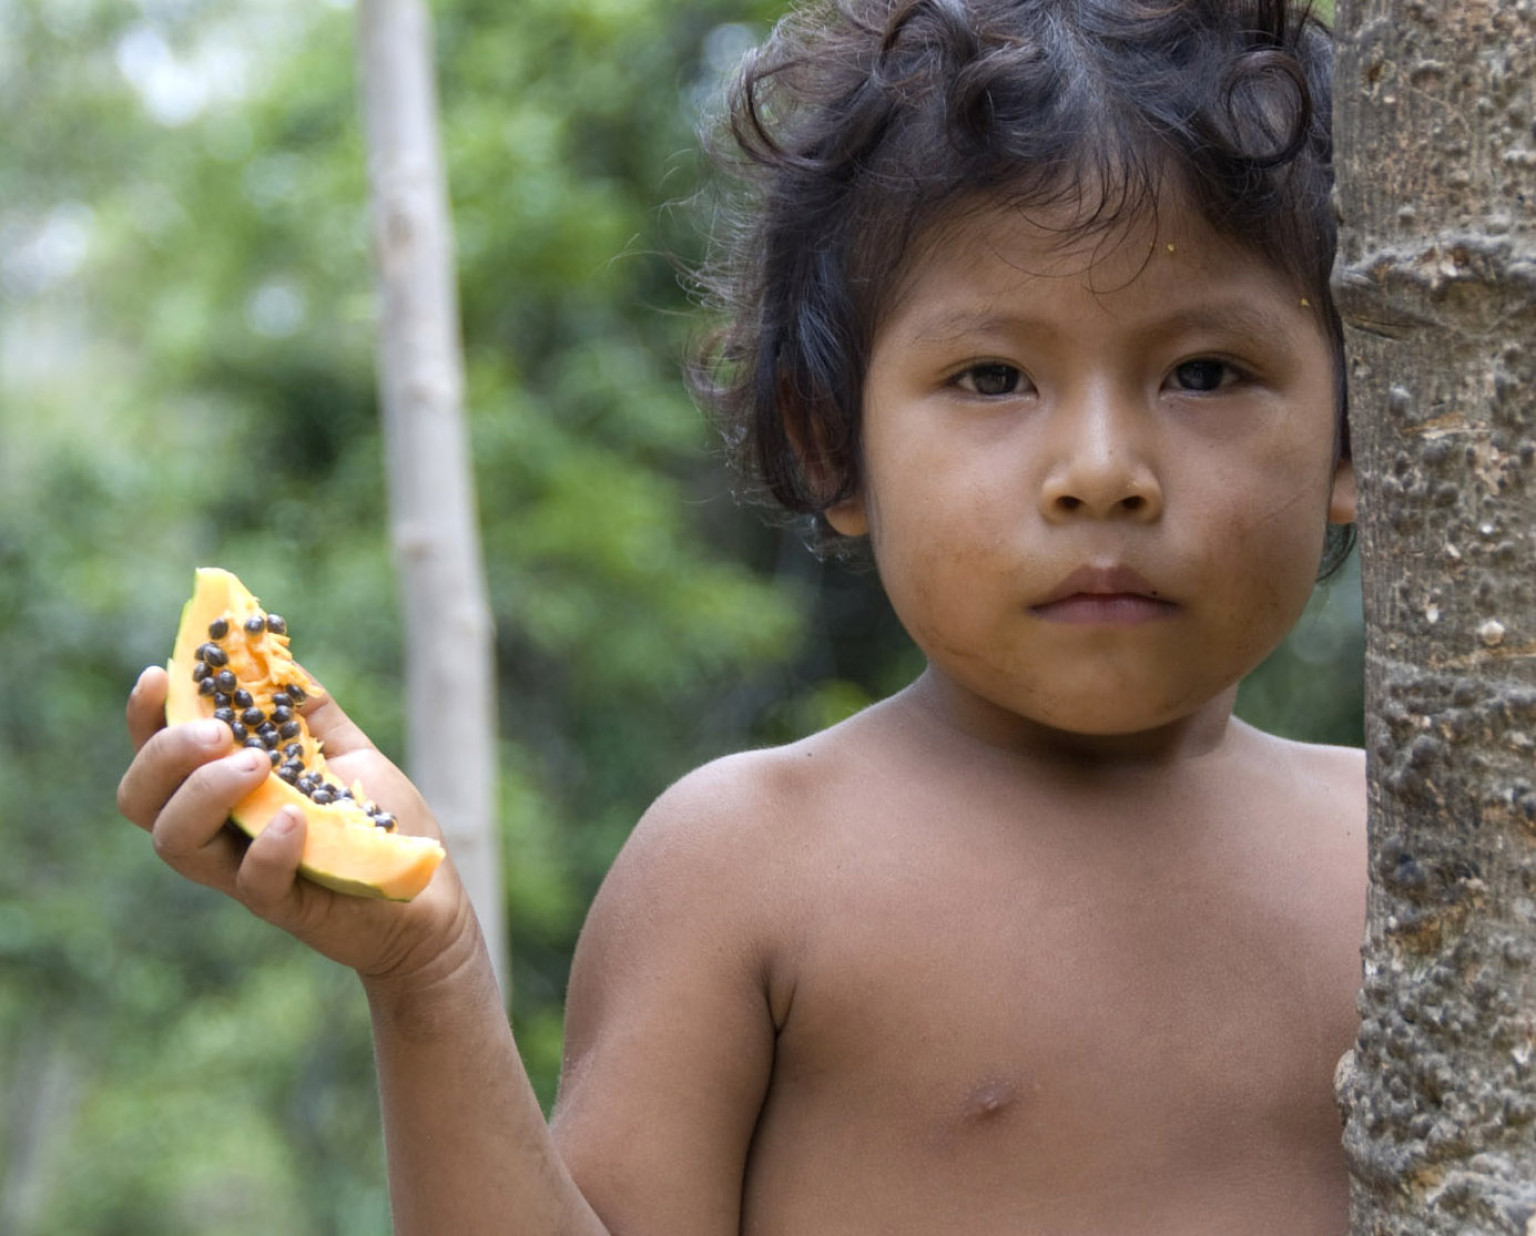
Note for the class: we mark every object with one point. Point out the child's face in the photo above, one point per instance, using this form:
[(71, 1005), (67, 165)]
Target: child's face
[(1097, 476)]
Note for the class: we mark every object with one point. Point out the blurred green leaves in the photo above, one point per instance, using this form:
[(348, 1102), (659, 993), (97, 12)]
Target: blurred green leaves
[(186, 377)]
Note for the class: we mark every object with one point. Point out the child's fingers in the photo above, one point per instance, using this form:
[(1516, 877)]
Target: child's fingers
[(332, 726), (146, 706), (266, 878), (343, 740), (167, 758), (189, 831)]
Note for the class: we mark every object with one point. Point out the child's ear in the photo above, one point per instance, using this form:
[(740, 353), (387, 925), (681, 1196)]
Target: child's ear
[(1341, 506), (807, 440), (848, 516)]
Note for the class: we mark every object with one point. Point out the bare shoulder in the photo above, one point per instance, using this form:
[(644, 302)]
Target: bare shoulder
[(1317, 801), (682, 979), (699, 864), (733, 816), (715, 865), (1309, 773), (737, 808)]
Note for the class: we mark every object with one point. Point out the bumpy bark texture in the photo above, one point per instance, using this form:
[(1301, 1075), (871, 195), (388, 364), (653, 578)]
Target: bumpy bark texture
[(1436, 279)]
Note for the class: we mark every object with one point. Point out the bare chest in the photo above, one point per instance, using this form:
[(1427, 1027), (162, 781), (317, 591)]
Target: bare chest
[(1059, 1044)]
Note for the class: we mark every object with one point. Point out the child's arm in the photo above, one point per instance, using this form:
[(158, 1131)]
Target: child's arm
[(467, 1146), (676, 992), (662, 1099), (669, 1041)]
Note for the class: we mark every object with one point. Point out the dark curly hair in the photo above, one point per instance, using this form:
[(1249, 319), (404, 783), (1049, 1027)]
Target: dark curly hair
[(859, 123)]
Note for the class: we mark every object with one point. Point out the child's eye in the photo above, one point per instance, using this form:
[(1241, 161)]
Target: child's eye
[(1203, 376), (989, 379)]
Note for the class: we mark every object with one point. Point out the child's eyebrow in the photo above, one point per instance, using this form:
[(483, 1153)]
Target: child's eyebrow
[(1226, 317), (1256, 322)]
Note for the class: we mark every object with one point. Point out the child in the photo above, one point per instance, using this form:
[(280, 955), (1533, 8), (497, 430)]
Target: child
[(1034, 302)]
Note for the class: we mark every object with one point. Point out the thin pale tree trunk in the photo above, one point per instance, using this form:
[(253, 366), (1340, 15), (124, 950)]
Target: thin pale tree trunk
[(1436, 280), (450, 674), (45, 1089)]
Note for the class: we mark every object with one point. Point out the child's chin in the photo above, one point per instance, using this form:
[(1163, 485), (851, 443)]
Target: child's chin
[(1111, 726)]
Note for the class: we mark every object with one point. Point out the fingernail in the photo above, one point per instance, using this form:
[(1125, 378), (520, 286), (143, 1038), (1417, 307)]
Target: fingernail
[(283, 823), (250, 761), (211, 733)]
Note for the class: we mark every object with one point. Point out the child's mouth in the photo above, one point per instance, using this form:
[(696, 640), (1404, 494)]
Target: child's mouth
[(1115, 595), (1113, 608)]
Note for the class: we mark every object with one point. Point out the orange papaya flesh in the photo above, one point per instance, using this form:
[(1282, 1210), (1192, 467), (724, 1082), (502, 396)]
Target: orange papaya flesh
[(231, 661)]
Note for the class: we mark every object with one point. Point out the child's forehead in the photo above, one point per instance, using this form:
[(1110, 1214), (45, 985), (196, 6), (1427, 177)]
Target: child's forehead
[(1070, 236), (996, 247)]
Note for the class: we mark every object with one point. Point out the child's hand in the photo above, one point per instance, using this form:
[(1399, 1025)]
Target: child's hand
[(186, 779)]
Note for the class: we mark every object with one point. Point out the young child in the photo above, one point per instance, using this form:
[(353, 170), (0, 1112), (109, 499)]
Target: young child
[(1033, 301)]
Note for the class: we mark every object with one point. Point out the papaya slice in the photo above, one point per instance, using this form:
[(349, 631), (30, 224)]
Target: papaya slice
[(231, 661)]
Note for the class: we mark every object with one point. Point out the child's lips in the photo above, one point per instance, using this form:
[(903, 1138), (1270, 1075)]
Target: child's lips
[(1115, 595)]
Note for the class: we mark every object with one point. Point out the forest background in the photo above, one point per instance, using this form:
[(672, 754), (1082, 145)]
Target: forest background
[(187, 321)]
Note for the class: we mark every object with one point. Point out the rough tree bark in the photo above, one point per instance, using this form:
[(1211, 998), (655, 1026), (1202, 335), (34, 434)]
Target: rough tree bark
[(1436, 280), (450, 675)]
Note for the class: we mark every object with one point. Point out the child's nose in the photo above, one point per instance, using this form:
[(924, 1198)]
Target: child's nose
[(1100, 467)]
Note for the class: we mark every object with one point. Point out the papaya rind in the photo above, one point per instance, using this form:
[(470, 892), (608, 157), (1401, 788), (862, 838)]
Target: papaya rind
[(342, 848)]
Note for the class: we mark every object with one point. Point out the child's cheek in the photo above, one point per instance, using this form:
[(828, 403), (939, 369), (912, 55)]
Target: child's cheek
[(1269, 557)]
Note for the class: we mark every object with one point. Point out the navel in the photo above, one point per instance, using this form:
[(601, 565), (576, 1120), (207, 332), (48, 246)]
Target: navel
[(989, 1101), (990, 1105)]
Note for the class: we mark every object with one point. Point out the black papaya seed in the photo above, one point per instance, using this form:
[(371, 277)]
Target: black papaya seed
[(226, 680), (213, 654), (253, 716), (385, 821), (289, 729), (281, 699), (254, 743), (276, 625), (294, 751), (281, 714), (206, 687), (287, 773), (226, 715), (218, 628), (255, 624), (295, 693), (238, 730), (220, 700), (324, 794), (243, 698), (200, 671)]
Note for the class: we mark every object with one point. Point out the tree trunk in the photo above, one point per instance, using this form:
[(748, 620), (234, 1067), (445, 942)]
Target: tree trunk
[(1436, 280), (450, 674), (42, 1099)]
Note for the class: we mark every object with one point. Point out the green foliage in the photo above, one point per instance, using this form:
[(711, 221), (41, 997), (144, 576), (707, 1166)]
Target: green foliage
[(187, 333), (186, 378), (1312, 687)]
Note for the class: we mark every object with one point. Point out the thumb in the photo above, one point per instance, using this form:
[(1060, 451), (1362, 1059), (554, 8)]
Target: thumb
[(342, 739), (328, 723)]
